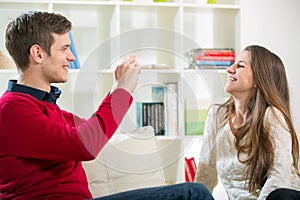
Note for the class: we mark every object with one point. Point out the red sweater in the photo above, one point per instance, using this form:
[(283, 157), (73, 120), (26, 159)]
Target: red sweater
[(42, 146)]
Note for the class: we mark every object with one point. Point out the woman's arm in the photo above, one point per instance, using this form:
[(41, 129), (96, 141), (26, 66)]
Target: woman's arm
[(206, 170), (280, 174)]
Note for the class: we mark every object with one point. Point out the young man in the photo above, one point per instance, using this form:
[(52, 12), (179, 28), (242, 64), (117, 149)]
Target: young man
[(42, 146)]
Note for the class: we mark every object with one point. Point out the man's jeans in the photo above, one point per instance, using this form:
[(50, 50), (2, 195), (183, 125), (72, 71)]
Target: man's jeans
[(182, 191)]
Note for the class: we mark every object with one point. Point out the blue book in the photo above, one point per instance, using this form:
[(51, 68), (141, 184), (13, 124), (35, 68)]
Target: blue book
[(158, 93), (139, 114), (213, 63), (75, 64)]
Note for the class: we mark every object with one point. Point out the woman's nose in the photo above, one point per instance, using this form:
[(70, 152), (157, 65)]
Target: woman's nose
[(231, 69)]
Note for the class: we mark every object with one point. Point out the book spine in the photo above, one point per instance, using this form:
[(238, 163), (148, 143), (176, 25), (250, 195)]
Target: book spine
[(152, 117), (75, 64), (213, 62), (148, 115), (172, 108), (219, 53), (161, 119), (156, 119), (139, 114), (145, 120), (216, 58), (158, 93)]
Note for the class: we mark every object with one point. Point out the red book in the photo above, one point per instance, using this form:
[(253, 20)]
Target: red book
[(218, 52), (216, 58), (190, 169)]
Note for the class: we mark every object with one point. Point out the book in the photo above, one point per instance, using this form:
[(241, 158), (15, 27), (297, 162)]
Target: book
[(213, 63), (190, 169), (75, 64), (216, 58), (217, 52), (172, 108), (151, 114), (195, 114), (158, 93)]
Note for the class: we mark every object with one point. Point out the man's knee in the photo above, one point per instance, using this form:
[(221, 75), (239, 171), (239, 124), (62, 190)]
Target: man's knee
[(199, 189), (197, 186)]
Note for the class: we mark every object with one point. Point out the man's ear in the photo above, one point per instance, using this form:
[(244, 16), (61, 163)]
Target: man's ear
[(36, 53)]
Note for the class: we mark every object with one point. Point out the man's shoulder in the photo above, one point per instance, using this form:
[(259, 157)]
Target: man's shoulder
[(14, 96), (17, 98)]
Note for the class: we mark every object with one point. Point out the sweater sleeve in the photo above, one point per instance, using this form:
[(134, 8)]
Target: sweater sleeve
[(280, 175), (206, 170), (30, 130)]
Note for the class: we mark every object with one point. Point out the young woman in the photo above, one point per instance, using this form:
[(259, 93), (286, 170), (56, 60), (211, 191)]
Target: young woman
[(250, 140)]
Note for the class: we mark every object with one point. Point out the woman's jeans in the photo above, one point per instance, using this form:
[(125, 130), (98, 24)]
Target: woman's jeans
[(182, 191)]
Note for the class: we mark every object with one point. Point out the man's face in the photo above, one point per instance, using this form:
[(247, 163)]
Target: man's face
[(55, 67)]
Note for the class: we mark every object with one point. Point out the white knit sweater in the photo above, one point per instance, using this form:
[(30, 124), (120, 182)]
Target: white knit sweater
[(218, 157)]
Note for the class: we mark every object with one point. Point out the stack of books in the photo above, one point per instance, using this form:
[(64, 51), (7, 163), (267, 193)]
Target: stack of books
[(151, 114), (162, 112), (218, 58)]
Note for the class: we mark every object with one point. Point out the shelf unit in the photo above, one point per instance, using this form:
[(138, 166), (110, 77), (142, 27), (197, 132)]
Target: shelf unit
[(104, 31), (102, 24)]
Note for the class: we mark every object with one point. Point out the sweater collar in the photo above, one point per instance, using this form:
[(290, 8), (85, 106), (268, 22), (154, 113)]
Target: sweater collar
[(41, 95)]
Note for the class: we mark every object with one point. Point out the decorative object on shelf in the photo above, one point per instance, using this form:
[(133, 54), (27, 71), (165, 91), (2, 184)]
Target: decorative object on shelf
[(140, 1), (201, 2), (211, 58), (155, 66), (220, 1), (211, 1), (6, 62)]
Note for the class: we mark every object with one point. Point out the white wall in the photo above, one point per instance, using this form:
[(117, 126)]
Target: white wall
[(275, 24)]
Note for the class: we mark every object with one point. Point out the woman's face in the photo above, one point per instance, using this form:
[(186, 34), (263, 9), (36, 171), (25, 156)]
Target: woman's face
[(240, 83)]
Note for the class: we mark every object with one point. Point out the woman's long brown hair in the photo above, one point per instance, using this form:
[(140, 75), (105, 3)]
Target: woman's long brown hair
[(253, 137)]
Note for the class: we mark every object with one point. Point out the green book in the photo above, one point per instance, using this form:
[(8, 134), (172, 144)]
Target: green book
[(194, 121), (195, 114)]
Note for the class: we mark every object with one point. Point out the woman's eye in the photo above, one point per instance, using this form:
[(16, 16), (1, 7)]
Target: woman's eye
[(239, 66)]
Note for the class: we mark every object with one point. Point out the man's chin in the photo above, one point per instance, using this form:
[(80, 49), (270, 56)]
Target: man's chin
[(60, 81)]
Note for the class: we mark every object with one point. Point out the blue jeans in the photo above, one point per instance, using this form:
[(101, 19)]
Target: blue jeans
[(182, 191)]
